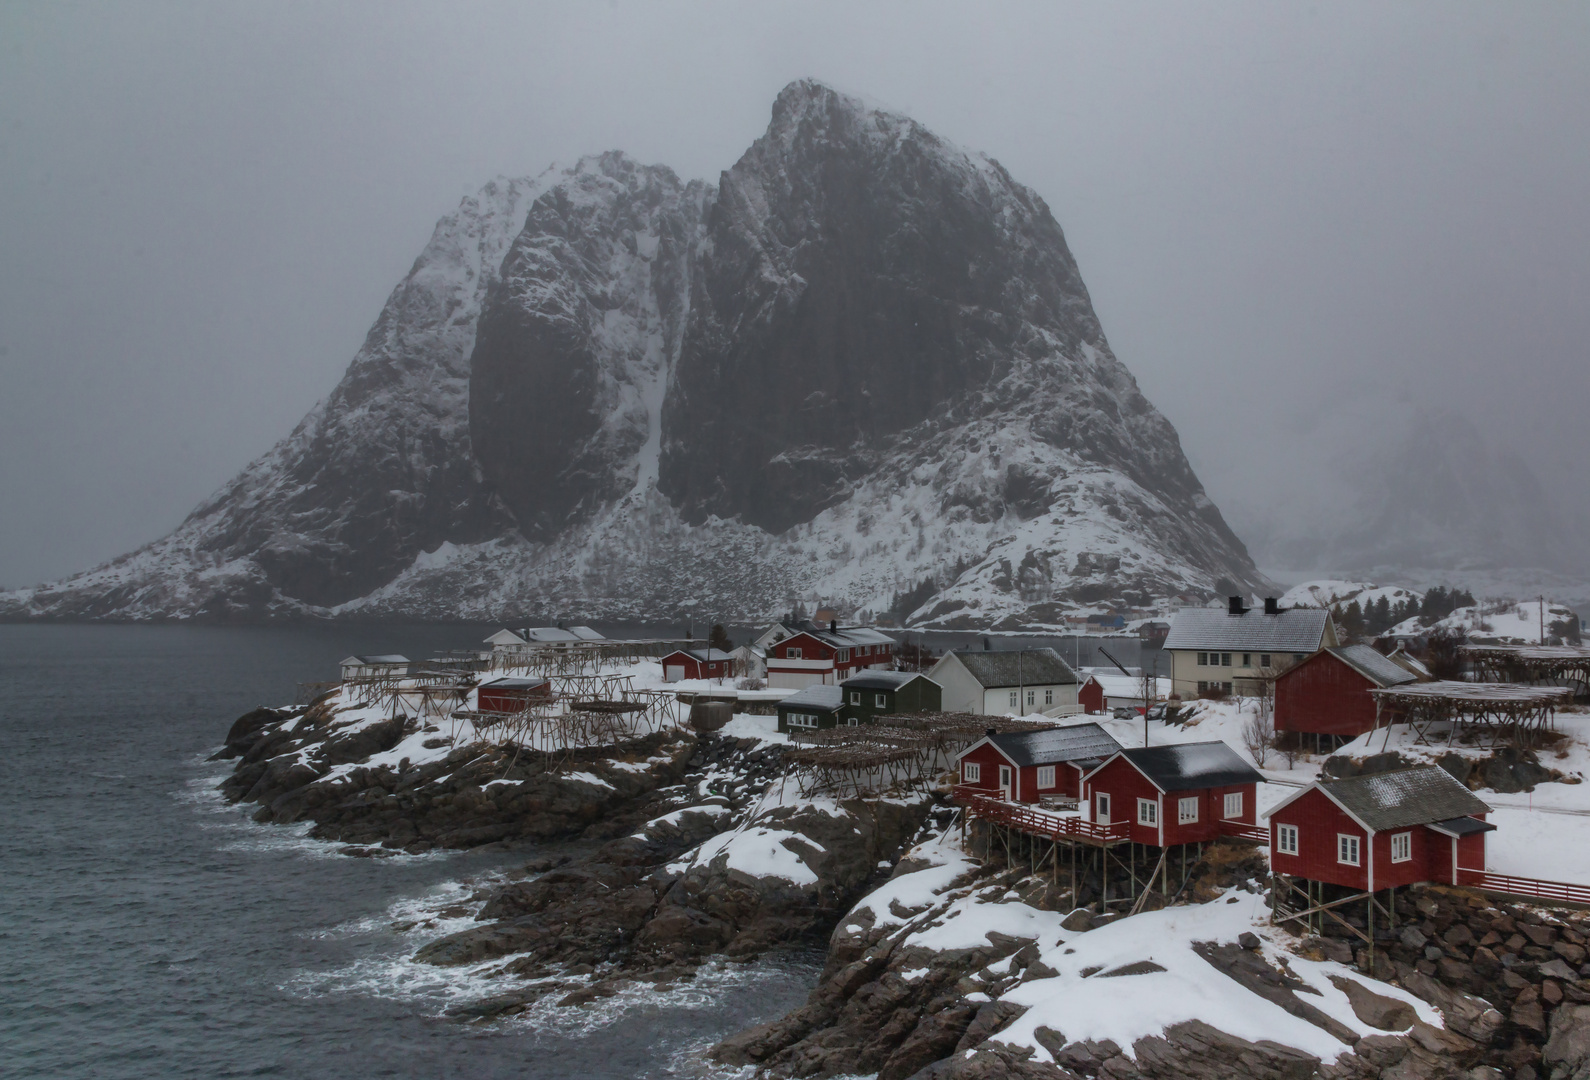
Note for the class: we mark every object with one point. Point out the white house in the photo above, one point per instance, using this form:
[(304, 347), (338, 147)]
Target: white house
[(1014, 683), (368, 667), (1236, 648)]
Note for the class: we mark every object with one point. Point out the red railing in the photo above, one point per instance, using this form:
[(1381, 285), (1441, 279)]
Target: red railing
[(1531, 887), (1037, 822), (1245, 831)]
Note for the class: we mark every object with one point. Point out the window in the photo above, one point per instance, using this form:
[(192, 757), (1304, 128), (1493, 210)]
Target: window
[(1286, 839), (855, 697), (844, 656), (1298, 658), (1401, 846), (1233, 807), (882, 700), (1347, 849), (792, 654), (1048, 697), (1013, 701), (1226, 687), (853, 722), (1203, 659), (1247, 659), (797, 719), (1046, 776), (1147, 812), (1225, 659), (863, 650), (1203, 687), (1264, 659), (1187, 810), (1032, 697), (971, 772), (1101, 813), (1004, 777)]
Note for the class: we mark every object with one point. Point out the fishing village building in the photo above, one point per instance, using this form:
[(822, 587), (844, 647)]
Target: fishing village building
[(1237, 649), (1183, 793), (807, 655), (1017, 682), (1027, 766), (1327, 696)]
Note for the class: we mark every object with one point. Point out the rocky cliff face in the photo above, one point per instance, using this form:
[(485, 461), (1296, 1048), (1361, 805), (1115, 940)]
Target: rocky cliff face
[(864, 358)]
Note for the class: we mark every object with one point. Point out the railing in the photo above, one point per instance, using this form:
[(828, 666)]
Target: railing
[(1531, 887), (1037, 822), (1245, 831)]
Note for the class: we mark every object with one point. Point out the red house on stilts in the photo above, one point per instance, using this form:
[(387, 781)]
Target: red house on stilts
[(1327, 699), (1180, 794), (1024, 766)]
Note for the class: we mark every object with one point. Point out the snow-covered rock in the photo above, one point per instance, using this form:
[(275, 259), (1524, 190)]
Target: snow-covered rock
[(864, 358)]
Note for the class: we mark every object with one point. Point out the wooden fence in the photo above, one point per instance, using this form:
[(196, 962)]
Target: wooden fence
[(1039, 822)]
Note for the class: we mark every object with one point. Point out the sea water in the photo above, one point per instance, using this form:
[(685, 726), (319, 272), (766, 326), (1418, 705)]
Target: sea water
[(149, 929)]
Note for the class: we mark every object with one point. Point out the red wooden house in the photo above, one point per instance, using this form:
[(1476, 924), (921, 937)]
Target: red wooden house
[(1181, 794), (1378, 831), (697, 664), (810, 655), (509, 695), (1024, 766), (1327, 695), (1090, 695)]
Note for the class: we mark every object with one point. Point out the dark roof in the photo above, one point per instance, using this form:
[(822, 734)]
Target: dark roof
[(1394, 800), (1296, 630), (1019, 667), (1462, 826), (1074, 743), (881, 680), (1372, 666), (383, 659), (1184, 766), (824, 697)]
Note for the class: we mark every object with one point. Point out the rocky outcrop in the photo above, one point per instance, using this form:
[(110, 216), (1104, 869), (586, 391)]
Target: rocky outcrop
[(864, 358)]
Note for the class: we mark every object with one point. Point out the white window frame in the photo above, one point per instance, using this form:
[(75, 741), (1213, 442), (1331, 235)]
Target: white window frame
[(1225, 659), (844, 656), (1015, 700), (1401, 846), (1045, 776), (791, 653), (881, 700), (1032, 698), (1348, 844), (971, 772), (1048, 697), (1233, 805), (1203, 659), (1147, 812), (802, 720), (1286, 839), (1187, 810), (855, 697)]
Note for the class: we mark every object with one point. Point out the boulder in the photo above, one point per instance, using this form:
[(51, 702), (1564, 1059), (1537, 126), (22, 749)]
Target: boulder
[(1567, 1052), (1376, 1010), (1469, 1016)]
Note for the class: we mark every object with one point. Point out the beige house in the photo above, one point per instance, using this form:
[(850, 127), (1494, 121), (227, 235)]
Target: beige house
[(1238, 649)]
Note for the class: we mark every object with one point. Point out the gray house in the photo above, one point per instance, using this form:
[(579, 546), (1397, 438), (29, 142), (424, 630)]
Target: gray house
[(1013, 683)]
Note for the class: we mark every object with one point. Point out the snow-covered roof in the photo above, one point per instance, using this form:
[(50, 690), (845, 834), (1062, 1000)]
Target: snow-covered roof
[(882, 680), (704, 655), (823, 696), (1422, 795), (1372, 666), (1078, 742), (1018, 667), (1184, 766), (380, 660), (1296, 630), (512, 682), (841, 637), (585, 633)]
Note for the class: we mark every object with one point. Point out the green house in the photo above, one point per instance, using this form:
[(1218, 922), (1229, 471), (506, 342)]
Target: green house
[(812, 709), (875, 693)]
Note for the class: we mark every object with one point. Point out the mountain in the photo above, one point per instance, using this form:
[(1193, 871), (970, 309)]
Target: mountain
[(865, 357)]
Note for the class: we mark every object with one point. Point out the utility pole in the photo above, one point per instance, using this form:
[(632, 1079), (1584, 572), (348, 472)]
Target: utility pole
[(1543, 618)]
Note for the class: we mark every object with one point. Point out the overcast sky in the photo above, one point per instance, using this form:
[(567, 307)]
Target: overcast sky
[(1289, 216)]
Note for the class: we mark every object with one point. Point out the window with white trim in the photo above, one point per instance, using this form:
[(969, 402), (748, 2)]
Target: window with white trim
[(1032, 697), (1048, 697), (881, 700), (971, 772), (855, 697), (1203, 659), (1233, 805), (1014, 702), (1187, 810), (1147, 812), (1046, 776), (1347, 849), (792, 654), (844, 656), (1286, 839), (1225, 659), (798, 719), (1401, 846)]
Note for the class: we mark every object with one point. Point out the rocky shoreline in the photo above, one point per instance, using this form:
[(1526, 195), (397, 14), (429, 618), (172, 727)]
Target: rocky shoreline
[(705, 852)]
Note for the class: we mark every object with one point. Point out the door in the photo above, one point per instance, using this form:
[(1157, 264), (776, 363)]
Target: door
[(1102, 813), (1004, 782), (673, 673)]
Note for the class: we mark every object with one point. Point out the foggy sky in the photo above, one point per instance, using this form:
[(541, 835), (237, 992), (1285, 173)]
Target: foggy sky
[(1294, 221)]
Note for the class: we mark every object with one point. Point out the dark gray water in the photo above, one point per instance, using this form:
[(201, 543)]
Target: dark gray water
[(149, 930)]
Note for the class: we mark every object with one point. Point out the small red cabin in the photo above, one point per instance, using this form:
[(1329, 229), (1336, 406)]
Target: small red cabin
[(1374, 832), (697, 664), (1024, 766), (1090, 695), (1180, 794), (507, 695), (1328, 694)]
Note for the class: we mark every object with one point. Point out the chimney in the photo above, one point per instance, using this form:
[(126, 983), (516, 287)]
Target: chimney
[(1234, 605), (1272, 606), (833, 626)]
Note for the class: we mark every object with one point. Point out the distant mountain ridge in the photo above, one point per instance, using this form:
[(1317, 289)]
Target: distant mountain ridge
[(864, 358)]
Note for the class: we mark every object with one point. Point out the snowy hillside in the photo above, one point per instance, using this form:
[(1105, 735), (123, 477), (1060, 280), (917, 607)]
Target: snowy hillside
[(865, 358)]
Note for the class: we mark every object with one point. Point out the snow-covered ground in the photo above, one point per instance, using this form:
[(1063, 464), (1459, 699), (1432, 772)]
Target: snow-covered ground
[(1502, 620), (1328, 592)]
